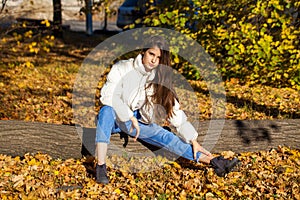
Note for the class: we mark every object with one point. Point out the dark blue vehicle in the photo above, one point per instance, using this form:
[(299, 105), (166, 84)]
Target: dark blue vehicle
[(131, 10)]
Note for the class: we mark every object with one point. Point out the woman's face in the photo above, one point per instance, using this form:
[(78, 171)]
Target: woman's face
[(151, 58)]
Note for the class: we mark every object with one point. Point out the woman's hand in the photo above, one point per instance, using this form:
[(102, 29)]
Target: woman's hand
[(135, 125), (198, 148)]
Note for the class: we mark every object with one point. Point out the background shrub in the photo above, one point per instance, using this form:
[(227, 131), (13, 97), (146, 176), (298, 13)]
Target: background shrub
[(256, 41)]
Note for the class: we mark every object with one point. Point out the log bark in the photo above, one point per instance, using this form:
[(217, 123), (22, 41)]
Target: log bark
[(251, 135), (19, 137), (63, 141)]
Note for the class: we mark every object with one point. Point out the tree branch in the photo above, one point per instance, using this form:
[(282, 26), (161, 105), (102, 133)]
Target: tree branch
[(3, 5)]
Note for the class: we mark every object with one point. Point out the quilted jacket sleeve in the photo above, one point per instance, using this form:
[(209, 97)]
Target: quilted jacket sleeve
[(111, 92)]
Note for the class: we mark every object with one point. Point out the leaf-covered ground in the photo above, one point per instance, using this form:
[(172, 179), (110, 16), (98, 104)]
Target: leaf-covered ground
[(273, 174), (38, 87)]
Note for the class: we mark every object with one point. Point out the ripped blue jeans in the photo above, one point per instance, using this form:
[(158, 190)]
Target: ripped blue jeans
[(149, 133)]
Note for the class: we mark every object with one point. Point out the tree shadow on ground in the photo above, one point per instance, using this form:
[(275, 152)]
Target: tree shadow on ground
[(74, 46), (270, 111), (255, 132)]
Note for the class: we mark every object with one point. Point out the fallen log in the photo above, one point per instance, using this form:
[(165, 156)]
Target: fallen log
[(64, 141)]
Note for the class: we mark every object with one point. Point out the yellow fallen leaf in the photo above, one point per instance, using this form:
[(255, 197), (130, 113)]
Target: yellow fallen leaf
[(32, 162), (118, 191), (228, 154), (210, 195), (174, 164), (289, 170), (18, 183), (17, 178)]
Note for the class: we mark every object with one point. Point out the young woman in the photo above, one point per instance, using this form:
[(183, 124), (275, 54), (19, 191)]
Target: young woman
[(129, 96)]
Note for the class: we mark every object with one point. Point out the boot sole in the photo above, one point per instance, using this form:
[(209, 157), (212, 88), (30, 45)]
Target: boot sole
[(102, 182)]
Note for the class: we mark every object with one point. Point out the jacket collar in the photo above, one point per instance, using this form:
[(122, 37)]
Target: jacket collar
[(138, 65)]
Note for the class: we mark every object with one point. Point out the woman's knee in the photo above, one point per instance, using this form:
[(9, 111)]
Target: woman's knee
[(106, 111), (105, 124)]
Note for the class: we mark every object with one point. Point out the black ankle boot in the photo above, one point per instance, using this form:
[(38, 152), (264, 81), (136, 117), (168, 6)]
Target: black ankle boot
[(223, 166), (101, 174)]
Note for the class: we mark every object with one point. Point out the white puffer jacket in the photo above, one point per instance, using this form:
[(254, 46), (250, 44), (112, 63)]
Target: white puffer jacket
[(125, 91)]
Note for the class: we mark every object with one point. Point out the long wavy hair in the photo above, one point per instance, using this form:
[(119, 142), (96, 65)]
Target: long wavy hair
[(163, 91)]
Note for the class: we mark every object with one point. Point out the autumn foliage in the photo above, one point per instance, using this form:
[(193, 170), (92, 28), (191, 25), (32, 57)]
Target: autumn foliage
[(270, 174), (254, 41), (37, 73)]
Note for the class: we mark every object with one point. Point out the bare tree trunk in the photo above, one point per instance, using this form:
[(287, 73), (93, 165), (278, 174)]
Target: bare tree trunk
[(105, 19), (57, 18), (89, 19)]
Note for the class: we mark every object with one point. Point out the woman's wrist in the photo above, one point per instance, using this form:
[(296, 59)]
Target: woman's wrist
[(133, 118), (193, 142)]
